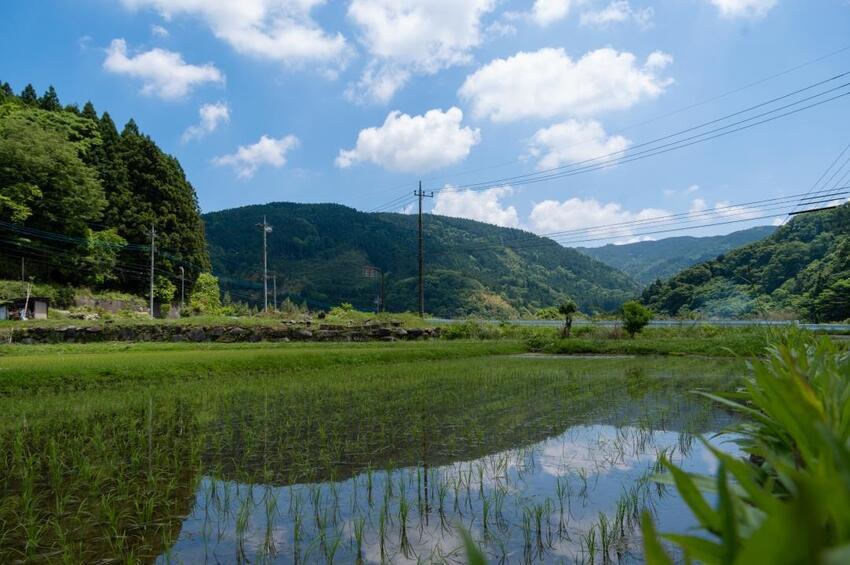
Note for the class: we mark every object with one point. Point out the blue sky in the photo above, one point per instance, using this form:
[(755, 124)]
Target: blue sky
[(354, 101)]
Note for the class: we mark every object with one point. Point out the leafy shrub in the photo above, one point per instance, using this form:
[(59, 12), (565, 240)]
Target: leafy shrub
[(548, 313), (537, 342), (788, 501), (64, 297), (164, 289), (206, 296), (635, 317)]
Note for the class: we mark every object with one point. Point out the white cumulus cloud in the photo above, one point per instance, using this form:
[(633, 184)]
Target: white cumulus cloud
[(548, 83), (545, 12), (164, 73), (618, 11), (280, 30), (413, 143), (575, 141), (212, 115), (405, 37), (268, 151), (579, 214), (159, 31), (483, 206), (746, 9)]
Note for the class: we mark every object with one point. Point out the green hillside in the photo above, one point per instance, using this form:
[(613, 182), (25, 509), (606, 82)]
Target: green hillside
[(78, 199), (318, 252), (647, 261), (803, 268)]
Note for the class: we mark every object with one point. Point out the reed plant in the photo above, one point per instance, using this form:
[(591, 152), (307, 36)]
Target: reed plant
[(787, 500)]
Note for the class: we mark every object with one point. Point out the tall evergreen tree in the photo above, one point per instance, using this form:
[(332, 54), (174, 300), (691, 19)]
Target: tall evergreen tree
[(29, 96), (70, 172), (90, 113), (6, 91), (50, 100), (130, 128)]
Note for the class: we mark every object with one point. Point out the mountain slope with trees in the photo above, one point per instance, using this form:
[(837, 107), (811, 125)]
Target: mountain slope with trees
[(318, 253), (78, 199), (803, 268), (647, 261)]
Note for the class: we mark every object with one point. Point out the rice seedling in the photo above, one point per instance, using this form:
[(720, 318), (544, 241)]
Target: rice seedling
[(359, 527), (100, 461)]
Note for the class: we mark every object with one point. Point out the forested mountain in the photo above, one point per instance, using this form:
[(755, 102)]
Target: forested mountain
[(318, 252), (804, 267), (647, 261), (69, 172)]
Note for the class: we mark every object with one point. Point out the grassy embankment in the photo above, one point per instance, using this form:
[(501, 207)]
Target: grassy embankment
[(102, 447), (703, 340)]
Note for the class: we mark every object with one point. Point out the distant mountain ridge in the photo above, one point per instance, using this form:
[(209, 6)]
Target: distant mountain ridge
[(802, 269), (647, 261), (318, 252)]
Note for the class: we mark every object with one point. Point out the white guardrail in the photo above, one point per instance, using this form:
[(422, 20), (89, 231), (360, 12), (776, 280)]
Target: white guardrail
[(655, 323)]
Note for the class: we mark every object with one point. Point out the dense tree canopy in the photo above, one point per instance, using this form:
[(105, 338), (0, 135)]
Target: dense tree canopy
[(803, 268), (319, 251), (79, 198)]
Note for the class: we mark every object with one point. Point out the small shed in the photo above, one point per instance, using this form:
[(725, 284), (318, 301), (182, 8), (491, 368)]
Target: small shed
[(36, 308)]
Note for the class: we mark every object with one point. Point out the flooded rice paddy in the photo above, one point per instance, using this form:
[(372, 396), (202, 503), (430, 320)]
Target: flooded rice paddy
[(576, 497), (542, 461)]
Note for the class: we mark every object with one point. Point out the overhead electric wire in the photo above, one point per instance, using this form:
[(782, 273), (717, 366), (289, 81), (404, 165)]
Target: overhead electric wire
[(670, 223), (616, 228), (628, 155), (721, 209), (397, 203), (736, 90), (626, 232), (570, 169)]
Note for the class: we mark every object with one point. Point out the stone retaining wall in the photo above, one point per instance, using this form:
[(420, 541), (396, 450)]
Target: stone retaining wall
[(219, 334)]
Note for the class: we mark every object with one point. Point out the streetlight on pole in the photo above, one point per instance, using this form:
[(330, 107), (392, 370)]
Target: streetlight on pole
[(182, 288), (267, 229)]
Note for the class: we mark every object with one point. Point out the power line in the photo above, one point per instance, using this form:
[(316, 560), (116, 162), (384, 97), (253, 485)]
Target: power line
[(666, 224), (703, 102), (688, 214), (652, 148), (622, 229), (608, 160)]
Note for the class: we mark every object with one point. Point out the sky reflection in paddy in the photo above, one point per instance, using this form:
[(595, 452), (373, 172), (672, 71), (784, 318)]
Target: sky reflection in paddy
[(584, 487)]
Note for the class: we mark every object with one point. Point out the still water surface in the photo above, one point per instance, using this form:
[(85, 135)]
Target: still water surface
[(574, 497)]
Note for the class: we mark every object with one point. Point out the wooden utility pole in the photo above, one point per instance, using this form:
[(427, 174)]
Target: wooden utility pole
[(153, 250), (420, 195), (266, 230), (382, 307)]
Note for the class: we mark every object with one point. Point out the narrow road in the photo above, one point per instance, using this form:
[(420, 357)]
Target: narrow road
[(659, 323)]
